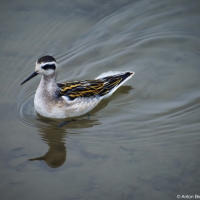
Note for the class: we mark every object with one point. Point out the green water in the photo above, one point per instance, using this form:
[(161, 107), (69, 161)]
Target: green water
[(143, 142)]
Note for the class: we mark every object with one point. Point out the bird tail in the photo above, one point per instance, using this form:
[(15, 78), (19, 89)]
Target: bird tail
[(113, 80)]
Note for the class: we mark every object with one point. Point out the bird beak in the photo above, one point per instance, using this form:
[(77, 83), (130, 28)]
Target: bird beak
[(30, 77)]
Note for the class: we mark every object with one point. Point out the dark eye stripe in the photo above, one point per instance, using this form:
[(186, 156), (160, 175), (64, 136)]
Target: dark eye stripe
[(52, 66)]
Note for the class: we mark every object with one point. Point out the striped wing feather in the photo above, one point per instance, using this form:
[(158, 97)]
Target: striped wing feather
[(90, 88)]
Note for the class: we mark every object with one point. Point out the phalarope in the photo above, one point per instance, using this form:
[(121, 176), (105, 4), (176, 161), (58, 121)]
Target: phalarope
[(74, 98)]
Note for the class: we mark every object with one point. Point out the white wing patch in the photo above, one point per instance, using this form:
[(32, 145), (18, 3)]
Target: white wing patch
[(112, 73)]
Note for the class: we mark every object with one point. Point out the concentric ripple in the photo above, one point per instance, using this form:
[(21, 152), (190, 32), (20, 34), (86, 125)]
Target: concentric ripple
[(161, 46)]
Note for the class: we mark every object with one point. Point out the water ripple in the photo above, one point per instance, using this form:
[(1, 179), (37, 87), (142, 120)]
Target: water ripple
[(153, 44)]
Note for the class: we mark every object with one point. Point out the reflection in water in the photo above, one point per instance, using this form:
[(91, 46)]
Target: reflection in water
[(53, 132), (56, 155), (55, 137), (147, 146)]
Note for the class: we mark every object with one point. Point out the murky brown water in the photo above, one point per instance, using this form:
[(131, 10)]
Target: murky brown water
[(143, 142)]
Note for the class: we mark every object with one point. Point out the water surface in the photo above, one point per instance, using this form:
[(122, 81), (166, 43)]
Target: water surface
[(141, 143)]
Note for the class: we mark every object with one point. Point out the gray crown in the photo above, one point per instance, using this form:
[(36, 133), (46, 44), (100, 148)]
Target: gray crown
[(46, 58)]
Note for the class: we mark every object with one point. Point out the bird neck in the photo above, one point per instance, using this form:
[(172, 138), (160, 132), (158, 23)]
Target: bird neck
[(49, 78), (48, 84)]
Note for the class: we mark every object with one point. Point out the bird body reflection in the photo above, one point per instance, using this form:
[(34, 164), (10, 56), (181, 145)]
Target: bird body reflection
[(55, 137), (57, 152)]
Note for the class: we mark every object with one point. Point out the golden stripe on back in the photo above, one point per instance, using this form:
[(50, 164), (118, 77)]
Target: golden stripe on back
[(89, 88)]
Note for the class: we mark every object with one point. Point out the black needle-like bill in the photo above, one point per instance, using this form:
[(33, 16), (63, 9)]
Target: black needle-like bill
[(30, 77)]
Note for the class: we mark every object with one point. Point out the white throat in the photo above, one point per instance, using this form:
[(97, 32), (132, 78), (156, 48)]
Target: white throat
[(45, 94)]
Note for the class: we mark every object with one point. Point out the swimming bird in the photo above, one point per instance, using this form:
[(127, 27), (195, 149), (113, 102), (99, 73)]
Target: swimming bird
[(71, 98)]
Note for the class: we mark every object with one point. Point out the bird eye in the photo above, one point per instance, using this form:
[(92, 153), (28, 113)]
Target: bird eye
[(48, 66)]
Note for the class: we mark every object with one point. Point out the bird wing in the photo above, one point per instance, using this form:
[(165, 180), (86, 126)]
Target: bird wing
[(92, 88), (88, 88)]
